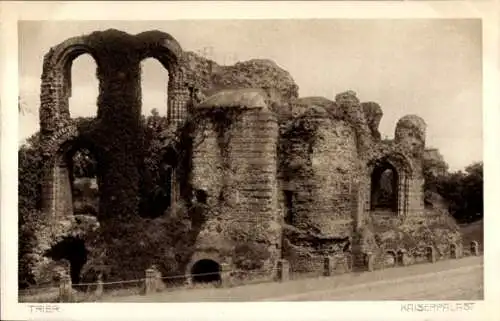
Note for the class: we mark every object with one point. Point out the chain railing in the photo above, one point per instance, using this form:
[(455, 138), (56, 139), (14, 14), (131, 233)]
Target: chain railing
[(153, 281)]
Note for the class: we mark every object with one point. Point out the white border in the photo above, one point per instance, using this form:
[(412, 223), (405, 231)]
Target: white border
[(11, 12)]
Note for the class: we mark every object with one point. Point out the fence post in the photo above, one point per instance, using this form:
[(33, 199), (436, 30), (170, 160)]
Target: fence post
[(474, 248), (283, 270), (369, 262), (159, 285), (188, 281), (100, 286), (431, 254), (453, 251), (225, 274), (150, 281), (65, 291), (328, 265)]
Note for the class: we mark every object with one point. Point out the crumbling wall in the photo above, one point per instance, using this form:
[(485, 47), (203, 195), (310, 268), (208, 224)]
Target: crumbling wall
[(207, 77), (236, 143), (319, 167), (255, 151), (116, 131)]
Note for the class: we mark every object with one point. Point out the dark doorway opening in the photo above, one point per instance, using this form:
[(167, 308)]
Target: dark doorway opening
[(206, 271), (73, 250), (384, 188)]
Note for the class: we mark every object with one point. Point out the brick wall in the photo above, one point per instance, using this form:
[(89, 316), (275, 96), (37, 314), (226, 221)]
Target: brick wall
[(237, 169)]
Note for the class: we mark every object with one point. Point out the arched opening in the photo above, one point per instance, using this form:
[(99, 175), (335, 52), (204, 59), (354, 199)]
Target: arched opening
[(154, 84), (82, 87), (390, 259), (384, 188), (84, 182), (73, 250), (206, 271)]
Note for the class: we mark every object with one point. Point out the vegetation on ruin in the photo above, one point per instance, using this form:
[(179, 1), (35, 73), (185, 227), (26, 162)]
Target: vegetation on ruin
[(462, 190)]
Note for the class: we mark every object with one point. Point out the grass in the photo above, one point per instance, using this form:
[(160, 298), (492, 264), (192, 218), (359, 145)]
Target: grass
[(473, 232)]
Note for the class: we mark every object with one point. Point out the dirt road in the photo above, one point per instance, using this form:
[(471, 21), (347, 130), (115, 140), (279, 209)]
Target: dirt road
[(445, 280)]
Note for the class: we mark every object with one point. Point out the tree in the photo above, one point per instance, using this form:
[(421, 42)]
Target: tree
[(435, 169), (464, 192)]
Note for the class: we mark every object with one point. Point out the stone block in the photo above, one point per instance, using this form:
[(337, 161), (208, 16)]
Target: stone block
[(225, 275), (65, 289), (431, 254), (150, 281), (454, 251), (370, 262), (474, 248), (328, 266), (283, 274)]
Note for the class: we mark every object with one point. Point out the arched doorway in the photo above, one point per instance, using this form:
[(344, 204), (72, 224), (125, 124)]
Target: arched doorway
[(384, 187), (71, 249), (76, 180), (206, 271), (84, 181)]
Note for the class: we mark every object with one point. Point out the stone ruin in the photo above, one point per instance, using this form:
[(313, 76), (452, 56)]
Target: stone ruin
[(299, 178)]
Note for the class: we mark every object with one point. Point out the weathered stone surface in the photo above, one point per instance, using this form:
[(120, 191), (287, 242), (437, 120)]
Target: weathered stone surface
[(291, 178)]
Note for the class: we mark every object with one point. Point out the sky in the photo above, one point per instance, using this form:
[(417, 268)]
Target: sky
[(431, 68)]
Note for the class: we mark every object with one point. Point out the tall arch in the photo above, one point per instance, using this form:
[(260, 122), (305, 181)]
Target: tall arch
[(384, 187), (154, 87), (83, 87), (56, 82), (57, 186), (168, 52), (402, 174)]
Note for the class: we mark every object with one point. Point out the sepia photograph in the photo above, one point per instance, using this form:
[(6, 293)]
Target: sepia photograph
[(250, 160), (162, 162)]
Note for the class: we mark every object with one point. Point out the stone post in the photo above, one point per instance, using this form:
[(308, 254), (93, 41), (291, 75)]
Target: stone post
[(474, 248), (349, 262), (100, 286), (225, 275), (328, 266), (188, 281), (159, 283), (454, 251), (283, 271), (150, 281), (431, 254), (65, 289), (370, 262)]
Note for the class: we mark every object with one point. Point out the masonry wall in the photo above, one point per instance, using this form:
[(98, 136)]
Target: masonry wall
[(334, 160), (326, 188), (253, 161), (236, 165), (63, 190)]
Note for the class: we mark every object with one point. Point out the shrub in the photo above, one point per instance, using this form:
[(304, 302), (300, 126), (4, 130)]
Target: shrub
[(250, 256)]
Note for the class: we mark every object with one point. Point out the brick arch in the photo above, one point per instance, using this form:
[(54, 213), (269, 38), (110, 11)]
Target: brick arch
[(56, 81), (166, 50), (403, 169), (376, 180), (57, 182), (203, 255)]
